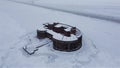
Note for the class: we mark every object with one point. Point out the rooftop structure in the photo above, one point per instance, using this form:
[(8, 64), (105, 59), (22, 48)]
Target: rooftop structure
[(64, 37)]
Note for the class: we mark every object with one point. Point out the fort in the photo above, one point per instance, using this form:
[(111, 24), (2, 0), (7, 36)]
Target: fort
[(64, 37)]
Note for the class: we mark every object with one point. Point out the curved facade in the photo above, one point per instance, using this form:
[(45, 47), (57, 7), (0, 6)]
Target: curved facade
[(67, 46), (61, 45)]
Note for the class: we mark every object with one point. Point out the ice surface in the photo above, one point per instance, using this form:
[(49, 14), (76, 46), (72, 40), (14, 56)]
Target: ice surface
[(19, 19), (105, 10), (47, 57)]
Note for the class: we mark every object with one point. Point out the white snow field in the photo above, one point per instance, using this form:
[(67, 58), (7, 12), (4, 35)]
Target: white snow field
[(17, 20), (100, 9)]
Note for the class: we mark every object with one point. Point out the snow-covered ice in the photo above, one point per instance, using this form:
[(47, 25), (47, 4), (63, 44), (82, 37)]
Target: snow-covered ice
[(100, 9), (16, 20), (46, 56)]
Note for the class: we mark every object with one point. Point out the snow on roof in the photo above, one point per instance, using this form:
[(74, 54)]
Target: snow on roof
[(41, 28), (78, 33), (55, 35), (58, 25), (59, 36), (71, 38), (68, 28)]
